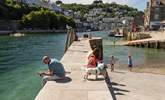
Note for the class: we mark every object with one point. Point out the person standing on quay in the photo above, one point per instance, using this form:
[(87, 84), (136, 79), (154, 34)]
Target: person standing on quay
[(130, 64), (112, 63)]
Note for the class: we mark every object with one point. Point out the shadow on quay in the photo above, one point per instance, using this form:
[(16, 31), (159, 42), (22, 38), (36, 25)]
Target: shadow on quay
[(65, 80), (114, 90), (98, 79)]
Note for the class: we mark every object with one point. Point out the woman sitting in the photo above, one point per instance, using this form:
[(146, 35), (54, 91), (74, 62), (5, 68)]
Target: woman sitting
[(91, 67), (92, 60)]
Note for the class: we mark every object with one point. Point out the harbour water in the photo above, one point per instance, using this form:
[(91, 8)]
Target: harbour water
[(145, 57), (20, 60)]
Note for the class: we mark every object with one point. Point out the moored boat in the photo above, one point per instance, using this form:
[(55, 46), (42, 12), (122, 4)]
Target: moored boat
[(119, 35), (111, 33)]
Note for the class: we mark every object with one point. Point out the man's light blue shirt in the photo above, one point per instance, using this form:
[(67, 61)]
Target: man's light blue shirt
[(57, 68)]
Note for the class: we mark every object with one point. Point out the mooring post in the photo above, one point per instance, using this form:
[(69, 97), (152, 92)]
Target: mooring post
[(97, 43), (157, 44), (147, 44), (71, 37)]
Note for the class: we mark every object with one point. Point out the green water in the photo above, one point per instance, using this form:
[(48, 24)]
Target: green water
[(141, 56), (20, 60)]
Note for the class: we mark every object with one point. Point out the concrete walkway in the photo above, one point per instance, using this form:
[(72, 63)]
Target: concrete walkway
[(156, 36), (137, 86), (75, 88)]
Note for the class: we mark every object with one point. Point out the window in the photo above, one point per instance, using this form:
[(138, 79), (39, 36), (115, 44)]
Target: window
[(157, 2), (157, 9), (156, 17)]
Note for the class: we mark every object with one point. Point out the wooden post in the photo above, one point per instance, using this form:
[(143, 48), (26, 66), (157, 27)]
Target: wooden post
[(71, 37), (162, 44), (152, 44), (142, 44), (97, 43), (147, 45), (157, 44)]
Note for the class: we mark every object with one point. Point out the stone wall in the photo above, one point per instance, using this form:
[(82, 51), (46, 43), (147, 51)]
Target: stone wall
[(9, 25)]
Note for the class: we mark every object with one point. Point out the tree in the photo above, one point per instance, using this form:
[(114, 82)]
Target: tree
[(3, 10), (71, 22), (45, 19), (12, 10)]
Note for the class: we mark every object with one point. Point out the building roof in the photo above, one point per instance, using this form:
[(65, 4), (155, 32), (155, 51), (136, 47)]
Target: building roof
[(162, 22), (163, 1)]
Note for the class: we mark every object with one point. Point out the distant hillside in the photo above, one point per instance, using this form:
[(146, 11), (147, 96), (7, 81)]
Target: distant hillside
[(33, 16), (113, 8), (14, 11), (50, 4)]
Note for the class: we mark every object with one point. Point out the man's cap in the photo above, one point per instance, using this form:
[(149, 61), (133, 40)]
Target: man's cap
[(44, 57)]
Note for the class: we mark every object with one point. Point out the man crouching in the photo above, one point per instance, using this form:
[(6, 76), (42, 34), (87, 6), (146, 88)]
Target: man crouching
[(55, 70)]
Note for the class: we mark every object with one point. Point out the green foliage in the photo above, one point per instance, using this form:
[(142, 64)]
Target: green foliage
[(45, 19), (107, 7), (76, 7), (33, 16), (14, 10)]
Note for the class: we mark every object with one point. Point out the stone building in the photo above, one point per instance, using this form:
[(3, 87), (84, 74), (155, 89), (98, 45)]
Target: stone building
[(9, 25), (154, 14)]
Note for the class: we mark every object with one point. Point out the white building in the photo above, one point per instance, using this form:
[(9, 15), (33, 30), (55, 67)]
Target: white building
[(109, 20), (68, 13), (95, 11)]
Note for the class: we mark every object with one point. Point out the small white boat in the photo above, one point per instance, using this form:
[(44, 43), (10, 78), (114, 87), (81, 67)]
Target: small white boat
[(17, 34), (111, 34), (119, 35), (88, 30)]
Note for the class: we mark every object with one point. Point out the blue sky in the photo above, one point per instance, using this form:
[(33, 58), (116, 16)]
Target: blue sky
[(140, 4)]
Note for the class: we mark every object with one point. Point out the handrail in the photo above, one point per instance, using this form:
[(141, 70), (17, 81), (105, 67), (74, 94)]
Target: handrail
[(71, 37)]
